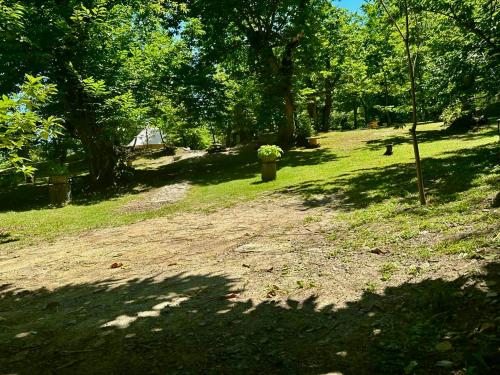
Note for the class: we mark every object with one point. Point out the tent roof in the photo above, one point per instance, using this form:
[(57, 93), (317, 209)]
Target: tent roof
[(147, 136)]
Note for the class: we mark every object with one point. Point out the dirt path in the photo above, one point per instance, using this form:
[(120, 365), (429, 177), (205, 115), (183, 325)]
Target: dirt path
[(249, 289), (269, 246)]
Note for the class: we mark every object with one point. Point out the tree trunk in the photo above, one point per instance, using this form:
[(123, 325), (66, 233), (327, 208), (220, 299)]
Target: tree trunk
[(386, 94), (355, 113), (366, 114), (101, 153), (327, 108), (282, 73), (312, 111), (411, 73), (286, 132), (103, 160)]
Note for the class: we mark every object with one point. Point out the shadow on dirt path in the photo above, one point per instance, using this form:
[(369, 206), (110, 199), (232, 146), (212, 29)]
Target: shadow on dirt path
[(198, 324)]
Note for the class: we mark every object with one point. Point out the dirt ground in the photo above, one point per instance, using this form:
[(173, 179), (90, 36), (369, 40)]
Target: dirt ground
[(67, 303), (261, 244)]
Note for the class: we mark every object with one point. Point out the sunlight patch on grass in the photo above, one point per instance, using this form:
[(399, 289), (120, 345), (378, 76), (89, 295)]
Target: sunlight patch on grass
[(350, 167)]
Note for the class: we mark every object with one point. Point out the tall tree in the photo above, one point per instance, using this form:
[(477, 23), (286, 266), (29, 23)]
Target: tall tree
[(273, 30), (87, 48)]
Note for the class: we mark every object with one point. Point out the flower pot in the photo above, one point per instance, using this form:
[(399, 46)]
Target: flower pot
[(268, 171), (313, 142), (59, 190)]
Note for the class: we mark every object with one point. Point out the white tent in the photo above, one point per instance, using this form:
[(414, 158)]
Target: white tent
[(148, 138)]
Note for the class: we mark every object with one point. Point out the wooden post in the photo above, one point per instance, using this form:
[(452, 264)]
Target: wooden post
[(388, 151)]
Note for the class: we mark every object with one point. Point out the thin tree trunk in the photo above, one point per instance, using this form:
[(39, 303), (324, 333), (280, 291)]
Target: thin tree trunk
[(411, 71), (327, 108), (386, 94), (287, 132), (355, 113)]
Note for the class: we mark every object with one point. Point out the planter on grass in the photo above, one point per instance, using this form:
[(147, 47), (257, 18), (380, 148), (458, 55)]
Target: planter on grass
[(269, 156), (59, 184), (268, 171), (313, 142), (59, 190)]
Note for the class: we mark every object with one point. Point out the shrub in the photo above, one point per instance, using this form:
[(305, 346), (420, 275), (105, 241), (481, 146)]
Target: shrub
[(269, 153), (339, 120), (456, 118), (304, 129), (197, 138)]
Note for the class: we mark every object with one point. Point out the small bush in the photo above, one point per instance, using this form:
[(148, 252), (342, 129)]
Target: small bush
[(456, 118), (304, 129)]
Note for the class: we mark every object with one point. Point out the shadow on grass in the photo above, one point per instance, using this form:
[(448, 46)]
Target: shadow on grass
[(444, 178), (210, 169), (429, 136), (198, 325), (7, 238)]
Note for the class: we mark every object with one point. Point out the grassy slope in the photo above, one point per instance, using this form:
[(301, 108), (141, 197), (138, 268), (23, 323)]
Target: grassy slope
[(369, 189)]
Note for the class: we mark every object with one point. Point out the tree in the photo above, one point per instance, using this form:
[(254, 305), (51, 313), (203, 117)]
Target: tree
[(272, 30), (480, 18), (100, 54), (321, 60), (411, 60)]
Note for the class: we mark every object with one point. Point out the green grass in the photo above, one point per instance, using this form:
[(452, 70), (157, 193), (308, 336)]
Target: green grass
[(375, 195)]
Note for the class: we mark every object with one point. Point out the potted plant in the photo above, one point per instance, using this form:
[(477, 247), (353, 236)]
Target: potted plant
[(59, 184), (269, 155)]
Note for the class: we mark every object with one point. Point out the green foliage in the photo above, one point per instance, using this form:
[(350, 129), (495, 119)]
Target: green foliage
[(269, 153), (231, 66), (57, 169), (195, 138), (303, 129), (21, 121), (453, 113)]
